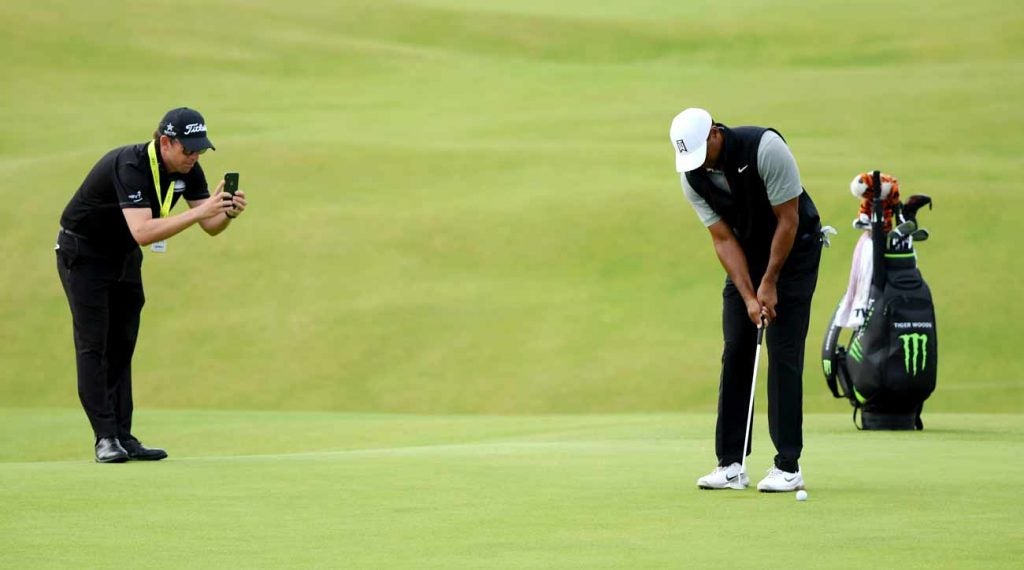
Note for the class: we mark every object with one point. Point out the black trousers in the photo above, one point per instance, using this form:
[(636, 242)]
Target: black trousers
[(785, 339), (106, 298)]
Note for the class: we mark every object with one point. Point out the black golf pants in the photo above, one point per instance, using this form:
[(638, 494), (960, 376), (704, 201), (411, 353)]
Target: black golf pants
[(105, 295), (784, 340)]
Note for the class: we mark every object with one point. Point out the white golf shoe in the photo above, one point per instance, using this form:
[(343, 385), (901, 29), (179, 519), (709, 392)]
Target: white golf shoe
[(728, 477), (779, 481)]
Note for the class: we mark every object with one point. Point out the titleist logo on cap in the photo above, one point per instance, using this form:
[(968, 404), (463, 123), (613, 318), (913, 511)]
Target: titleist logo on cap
[(190, 129)]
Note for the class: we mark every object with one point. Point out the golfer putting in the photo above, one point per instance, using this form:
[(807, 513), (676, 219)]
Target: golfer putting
[(745, 186)]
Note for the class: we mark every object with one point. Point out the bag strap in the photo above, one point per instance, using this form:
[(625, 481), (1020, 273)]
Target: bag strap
[(829, 358), (833, 382)]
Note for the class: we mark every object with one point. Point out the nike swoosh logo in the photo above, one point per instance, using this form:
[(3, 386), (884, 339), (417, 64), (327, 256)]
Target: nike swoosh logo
[(742, 168), (731, 479), (790, 479)]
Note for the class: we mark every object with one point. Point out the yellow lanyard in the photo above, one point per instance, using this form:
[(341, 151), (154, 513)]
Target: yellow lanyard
[(164, 201)]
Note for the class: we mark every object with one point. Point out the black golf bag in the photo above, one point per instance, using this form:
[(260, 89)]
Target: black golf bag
[(890, 366)]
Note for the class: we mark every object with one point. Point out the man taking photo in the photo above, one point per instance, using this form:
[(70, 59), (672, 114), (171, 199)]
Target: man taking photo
[(124, 203)]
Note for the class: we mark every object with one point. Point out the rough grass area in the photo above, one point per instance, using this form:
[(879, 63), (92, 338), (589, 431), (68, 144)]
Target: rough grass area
[(470, 208)]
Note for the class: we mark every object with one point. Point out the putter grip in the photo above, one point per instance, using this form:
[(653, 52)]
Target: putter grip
[(760, 333)]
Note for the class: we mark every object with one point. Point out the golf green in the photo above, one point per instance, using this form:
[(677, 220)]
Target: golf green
[(303, 490)]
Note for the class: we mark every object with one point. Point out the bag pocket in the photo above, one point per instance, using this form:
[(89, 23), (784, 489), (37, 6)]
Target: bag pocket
[(912, 351)]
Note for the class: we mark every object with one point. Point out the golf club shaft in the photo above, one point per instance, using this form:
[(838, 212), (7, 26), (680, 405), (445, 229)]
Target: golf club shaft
[(750, 407)]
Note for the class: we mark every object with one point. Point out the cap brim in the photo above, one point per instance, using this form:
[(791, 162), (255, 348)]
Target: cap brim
[(687, 161), (194, 144)]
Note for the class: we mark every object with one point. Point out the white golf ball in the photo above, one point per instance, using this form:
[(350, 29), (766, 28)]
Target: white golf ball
[(801, 495)]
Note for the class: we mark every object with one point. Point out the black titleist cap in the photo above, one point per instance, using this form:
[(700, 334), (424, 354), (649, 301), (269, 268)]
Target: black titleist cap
[(188, 126)]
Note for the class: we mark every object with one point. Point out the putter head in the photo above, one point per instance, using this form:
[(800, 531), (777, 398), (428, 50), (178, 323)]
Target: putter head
[(740, 482), (737, 485)]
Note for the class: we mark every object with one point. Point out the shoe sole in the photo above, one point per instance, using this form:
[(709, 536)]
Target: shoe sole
[(112, 460), (140, 458), (793, 490), (709, 488)]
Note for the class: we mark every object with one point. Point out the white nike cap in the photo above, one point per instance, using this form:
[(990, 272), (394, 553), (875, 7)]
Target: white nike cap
[(689, 136)]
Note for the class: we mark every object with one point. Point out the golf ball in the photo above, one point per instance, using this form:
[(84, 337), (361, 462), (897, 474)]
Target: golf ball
[(801, 495)]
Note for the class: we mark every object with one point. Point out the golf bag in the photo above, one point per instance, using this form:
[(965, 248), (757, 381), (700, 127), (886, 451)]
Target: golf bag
[(890, 367)]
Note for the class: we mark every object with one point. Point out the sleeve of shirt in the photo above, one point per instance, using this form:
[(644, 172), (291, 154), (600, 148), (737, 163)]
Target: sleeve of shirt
[(196, 187), (132, 182), (777, 167), (704, 212)]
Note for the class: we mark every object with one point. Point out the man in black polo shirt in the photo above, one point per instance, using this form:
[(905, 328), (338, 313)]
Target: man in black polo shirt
[(744, 184), (125, 202)]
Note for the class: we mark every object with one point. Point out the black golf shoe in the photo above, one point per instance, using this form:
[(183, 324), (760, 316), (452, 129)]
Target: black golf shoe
[(138, 452), (109, 450)]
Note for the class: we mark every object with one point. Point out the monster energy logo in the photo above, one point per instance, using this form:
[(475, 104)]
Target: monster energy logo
[(827, 365), (913, 345), (855, 350)]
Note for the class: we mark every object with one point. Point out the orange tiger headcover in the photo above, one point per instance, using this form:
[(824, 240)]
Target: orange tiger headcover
[(862, 187)]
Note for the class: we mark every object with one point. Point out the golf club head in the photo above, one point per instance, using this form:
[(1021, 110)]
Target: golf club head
[(920, 234), (737, 484), (906, 228), (898, 243), (826, 233)]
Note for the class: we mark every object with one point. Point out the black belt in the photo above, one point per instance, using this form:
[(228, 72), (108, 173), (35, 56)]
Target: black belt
[(71, 233)]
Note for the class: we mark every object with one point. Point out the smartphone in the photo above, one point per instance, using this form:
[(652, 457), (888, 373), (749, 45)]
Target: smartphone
[(231, 183)]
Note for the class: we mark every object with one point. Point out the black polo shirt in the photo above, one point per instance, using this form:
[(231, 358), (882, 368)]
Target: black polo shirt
[(123, 179)]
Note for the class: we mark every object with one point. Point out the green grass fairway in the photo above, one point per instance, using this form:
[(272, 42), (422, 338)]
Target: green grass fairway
[(320, 490), (471, 207)]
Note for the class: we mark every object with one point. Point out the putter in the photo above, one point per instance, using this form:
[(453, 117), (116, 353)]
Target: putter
[(738, 484)]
